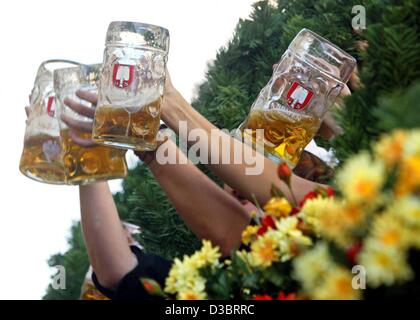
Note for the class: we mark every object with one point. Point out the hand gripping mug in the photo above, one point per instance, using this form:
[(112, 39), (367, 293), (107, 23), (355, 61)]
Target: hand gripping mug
[(41, 157), (84, 164), (306, 82), (131, 86)]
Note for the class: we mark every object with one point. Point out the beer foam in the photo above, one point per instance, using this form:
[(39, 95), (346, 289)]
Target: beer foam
[(43, 125), (148, 96)]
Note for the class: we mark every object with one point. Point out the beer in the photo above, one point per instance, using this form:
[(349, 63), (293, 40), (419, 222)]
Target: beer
[(304, 84), (41, 159), (131, 86), (134, 128), (285, 137), (84, 165)]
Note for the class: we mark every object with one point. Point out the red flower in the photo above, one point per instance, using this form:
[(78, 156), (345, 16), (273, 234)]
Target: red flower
[(262, 297), (353, 251), (261, 231), (294, 211), (284, 172), (286, 296), (330, 192), (309, 195), (266, 222)]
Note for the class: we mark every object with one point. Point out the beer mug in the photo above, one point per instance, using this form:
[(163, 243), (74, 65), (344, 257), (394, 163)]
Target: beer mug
[(41, 157), (131, 86), (84, 164), (305, 83)]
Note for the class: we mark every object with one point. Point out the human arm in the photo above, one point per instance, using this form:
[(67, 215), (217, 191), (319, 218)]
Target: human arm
[(105, 239), (208, 210), (189, 190), (175, 109)]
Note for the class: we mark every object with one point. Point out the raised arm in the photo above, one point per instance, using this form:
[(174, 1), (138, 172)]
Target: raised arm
[(106, 241), (175, 109), (209, 211)]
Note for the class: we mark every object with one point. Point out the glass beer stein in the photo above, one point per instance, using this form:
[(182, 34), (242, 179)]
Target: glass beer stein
[(84, 164), (41, 158), (131, 86), (306, 82)]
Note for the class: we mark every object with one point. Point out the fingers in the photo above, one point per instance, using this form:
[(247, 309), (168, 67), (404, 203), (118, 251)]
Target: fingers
[(354, 81), (87, 143), (345, 92), (90, 96), (80, 108), (77, 125)]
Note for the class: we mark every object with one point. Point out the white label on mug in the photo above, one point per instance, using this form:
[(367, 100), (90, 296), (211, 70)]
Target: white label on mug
[(298, 97), (123, 75)]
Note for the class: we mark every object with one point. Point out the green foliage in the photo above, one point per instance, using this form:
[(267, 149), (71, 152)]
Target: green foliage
[(144, 203), (399, 110), (391, 64), (76, 263)]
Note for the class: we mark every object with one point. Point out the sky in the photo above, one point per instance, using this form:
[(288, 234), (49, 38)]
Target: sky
[(35, 218)]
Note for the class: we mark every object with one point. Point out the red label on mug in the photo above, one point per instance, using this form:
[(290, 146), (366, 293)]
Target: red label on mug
[(50, 106), (298, 97), (123, 75)]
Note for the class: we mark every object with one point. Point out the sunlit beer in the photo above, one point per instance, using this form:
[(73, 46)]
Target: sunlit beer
[(41, 159), (131, 86), (125, 126), (305, 83), (84, 164), (42, 155), (284, 137)]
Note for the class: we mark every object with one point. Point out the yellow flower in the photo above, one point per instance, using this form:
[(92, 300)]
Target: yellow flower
[(361, 179), (413, 238), (388, 231), (311, 267), (183, 275), (289, 237), (412, 144), (408, 209), (278, 207), (184, 278), (191, 295), (249, 234), (244, 255), (264, 251), (337, 285), (390, 147), (384, 265), (330, 219), (409, 176), (207, 255)]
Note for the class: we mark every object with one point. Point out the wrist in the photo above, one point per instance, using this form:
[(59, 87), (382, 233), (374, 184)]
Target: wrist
[(173, 106)]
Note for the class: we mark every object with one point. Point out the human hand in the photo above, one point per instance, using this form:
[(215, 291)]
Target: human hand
[(83, 110)]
